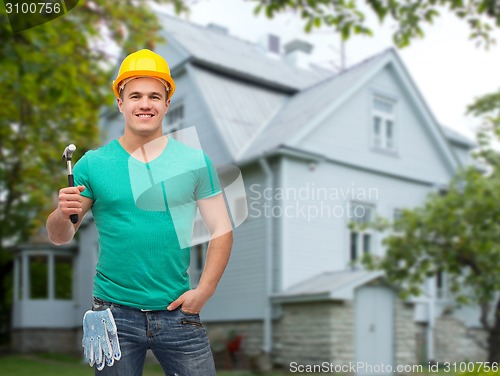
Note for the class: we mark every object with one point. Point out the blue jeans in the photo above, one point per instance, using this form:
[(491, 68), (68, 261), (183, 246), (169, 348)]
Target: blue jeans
[(177, 339)]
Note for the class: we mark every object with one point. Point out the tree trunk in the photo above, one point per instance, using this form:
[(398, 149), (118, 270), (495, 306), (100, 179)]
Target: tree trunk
[(494, 337)]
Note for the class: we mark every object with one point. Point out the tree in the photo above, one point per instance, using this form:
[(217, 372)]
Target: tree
[(347, 18), (456, 233), (54, 80)]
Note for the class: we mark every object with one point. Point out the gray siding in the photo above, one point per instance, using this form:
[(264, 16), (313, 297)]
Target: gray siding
[(321, 243), (241, 294), (279, 234), (85, 264)]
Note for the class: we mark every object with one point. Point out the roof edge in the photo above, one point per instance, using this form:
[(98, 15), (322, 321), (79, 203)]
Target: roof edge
[(289, 151), (248, 78)]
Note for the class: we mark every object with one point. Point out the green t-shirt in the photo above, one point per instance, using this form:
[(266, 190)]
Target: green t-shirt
[(144, 214)]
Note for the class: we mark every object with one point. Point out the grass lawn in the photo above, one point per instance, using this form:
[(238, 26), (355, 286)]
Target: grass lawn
[(60, 365)]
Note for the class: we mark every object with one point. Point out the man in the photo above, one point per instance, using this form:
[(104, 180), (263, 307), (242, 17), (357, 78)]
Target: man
[(141, 275)]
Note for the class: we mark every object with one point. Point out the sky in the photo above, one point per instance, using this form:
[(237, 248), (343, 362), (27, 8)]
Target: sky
[(449, 70)]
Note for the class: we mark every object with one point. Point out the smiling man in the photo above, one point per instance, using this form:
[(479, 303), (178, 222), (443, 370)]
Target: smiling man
[(141, 283)]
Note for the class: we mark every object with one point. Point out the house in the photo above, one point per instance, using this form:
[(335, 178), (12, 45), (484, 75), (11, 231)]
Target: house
[(317, 151)]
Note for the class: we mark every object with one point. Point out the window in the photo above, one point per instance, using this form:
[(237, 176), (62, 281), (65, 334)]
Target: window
[(63, 277), (175, 116), (198, 258), (361, 243), (38, 277), (43, 275), (361, 240), (384, 132), (354, 246), (397, 214), (362, 213)]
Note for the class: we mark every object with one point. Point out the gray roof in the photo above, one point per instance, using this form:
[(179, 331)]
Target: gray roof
[(339, 285), (240, 109), (458, 138), (227, 53)]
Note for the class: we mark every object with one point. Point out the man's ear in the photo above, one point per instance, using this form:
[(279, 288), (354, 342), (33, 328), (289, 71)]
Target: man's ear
[(167, 103), (119, 101)]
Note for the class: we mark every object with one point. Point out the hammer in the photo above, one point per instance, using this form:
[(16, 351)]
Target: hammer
[(68, 152)]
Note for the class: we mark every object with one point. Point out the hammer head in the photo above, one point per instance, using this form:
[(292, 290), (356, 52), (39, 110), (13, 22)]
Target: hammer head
[(68, 152)]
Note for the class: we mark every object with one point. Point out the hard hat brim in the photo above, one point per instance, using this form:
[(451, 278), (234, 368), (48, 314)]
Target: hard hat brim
[(143, 73)]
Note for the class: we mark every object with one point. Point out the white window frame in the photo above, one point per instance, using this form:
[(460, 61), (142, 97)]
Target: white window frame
[(442, 286), (22, 275), (397, 212), (360, 249), (387, 118)]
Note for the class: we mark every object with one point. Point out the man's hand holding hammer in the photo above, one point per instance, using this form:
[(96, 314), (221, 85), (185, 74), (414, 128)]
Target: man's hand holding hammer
[(71, 208)]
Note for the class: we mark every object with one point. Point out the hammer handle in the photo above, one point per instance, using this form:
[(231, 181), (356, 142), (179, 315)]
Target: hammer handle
[(71, 183)]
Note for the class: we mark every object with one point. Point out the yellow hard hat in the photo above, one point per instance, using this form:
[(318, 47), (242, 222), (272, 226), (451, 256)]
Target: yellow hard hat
[(144, 63)]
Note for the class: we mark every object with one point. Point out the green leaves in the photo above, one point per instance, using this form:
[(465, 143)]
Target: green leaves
[(409, 16), (457, 233), (54, 80)]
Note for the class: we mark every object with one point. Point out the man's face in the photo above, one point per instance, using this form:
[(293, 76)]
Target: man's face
[(144, 105)]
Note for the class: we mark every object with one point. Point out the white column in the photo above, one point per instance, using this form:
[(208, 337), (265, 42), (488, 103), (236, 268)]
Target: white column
[(25, 276), (432, 318), (16, 279)]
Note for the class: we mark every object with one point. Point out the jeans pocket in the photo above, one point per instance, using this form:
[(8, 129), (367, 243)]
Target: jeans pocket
[(192, 321)]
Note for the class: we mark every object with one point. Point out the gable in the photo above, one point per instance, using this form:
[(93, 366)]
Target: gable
[(383, 73), (301, 109), (347, 134)]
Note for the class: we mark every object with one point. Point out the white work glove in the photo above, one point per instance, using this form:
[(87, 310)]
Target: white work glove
[(100, 338)]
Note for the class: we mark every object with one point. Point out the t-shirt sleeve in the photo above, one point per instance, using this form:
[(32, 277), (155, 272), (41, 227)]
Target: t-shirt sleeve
[(208, 180), (82, 176)]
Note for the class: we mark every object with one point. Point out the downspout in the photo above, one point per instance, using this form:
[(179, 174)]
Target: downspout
[(268, 329), (432, 321)]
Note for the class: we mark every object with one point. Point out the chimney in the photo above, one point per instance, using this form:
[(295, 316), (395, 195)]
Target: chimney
[(218, 28), (298, 53), (270, 43)]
